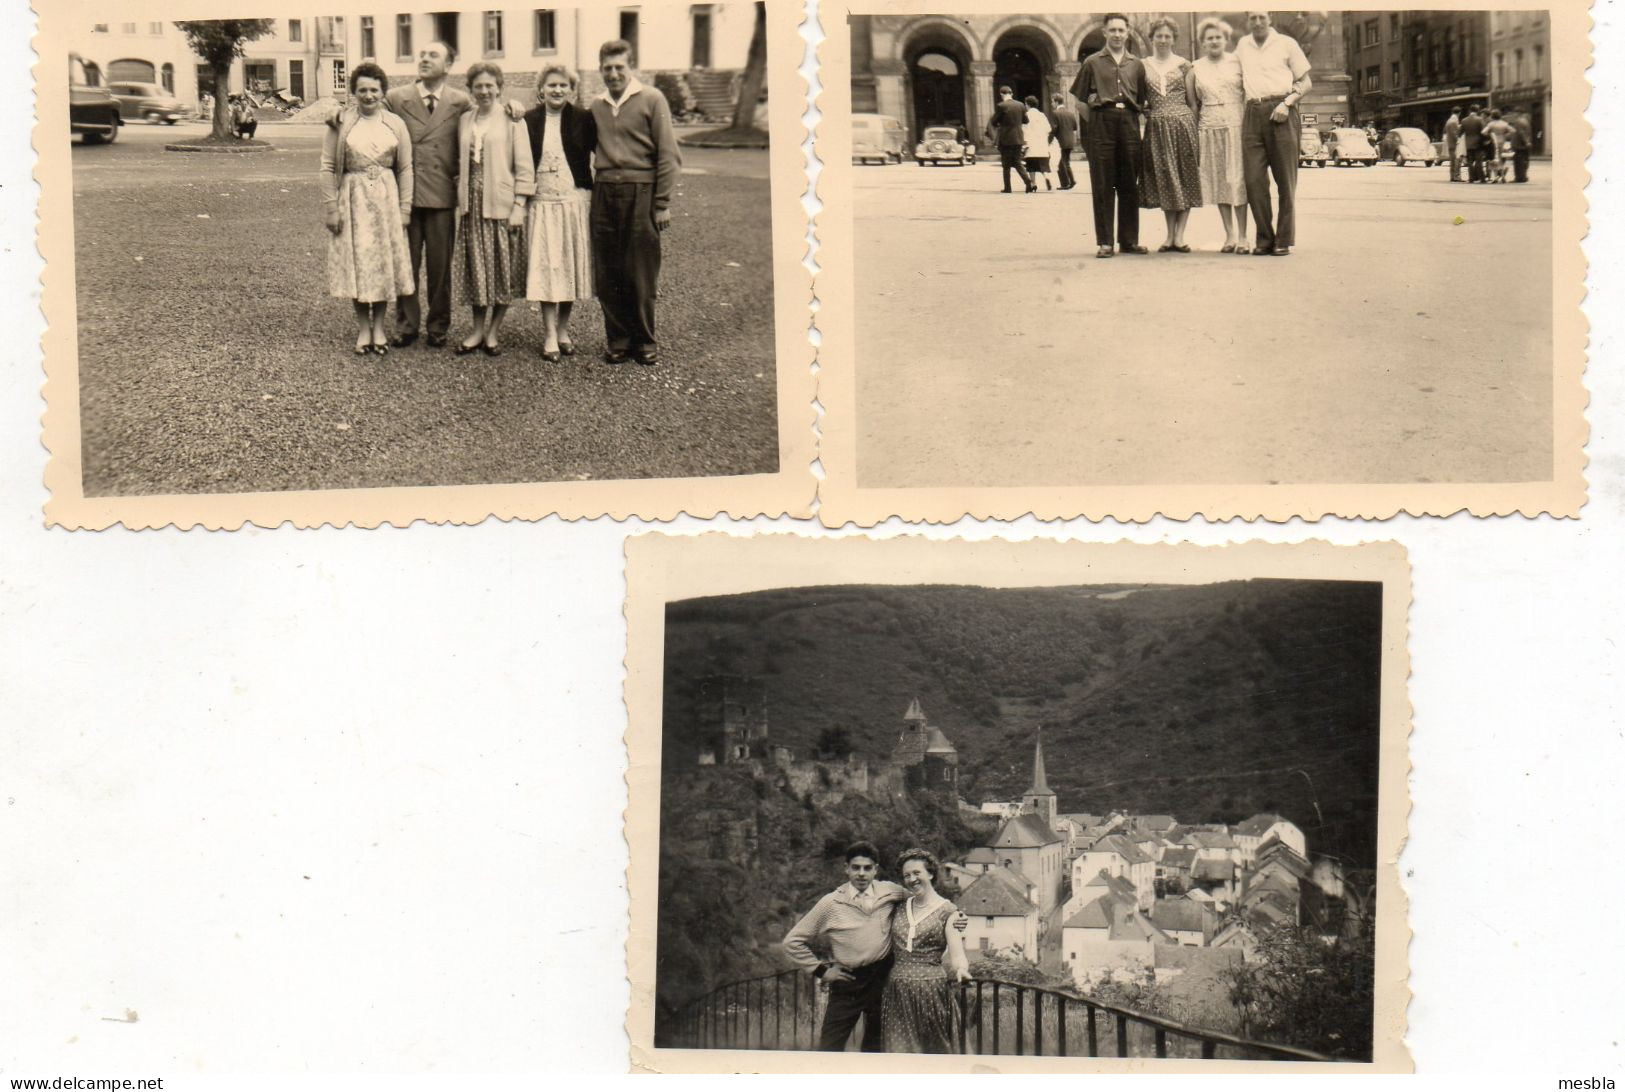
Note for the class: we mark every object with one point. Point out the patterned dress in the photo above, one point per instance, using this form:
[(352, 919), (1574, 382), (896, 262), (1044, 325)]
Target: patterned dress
[(368, 260), (559, 269), (490, 254), (918, 1014), (1169, 177), (1218, 134)]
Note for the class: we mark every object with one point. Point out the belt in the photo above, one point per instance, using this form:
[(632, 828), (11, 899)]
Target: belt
[(1269, 98)]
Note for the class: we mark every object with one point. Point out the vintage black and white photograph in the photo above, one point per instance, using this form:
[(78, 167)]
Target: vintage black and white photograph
[(1092, 819), (355, 251), (1333, 255)]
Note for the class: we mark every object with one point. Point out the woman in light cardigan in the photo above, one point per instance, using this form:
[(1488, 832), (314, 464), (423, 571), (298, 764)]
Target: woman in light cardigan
[(495, 184)]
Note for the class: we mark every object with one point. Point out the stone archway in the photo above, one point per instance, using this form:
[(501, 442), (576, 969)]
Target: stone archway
[(1025, 56), (933, 78), (1092, 39)]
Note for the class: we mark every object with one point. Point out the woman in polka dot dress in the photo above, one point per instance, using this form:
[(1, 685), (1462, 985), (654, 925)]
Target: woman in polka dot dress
[(918, 1013)]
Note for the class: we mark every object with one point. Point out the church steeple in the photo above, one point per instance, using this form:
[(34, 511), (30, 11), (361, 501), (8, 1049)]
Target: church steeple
[(1040, 798)]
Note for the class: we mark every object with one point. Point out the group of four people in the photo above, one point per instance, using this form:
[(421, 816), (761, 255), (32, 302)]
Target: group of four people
[(545, 204), (1482, 138), (1165, 132)]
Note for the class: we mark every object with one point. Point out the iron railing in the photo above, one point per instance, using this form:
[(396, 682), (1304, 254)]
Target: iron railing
[(783, 1011)]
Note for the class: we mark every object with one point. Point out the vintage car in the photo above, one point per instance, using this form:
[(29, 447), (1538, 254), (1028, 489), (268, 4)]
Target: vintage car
[(941, 144), (1351, 146), (877, 138), (147, 101), (92, 112), (1311, 152), (1409, 146)]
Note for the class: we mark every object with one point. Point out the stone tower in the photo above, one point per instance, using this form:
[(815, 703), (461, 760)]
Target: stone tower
[(733, 720), (929, 762), (1039, 800)]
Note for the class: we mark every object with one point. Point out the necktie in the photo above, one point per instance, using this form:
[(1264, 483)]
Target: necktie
[(431, 105)]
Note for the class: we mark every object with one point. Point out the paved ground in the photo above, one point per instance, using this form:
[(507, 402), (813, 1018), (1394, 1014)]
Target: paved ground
[(212, 360), (1393, 345)]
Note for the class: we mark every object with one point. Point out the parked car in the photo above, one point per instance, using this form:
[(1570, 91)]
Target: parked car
[(878, 138), (1351, 146), (149, 102), (941, 144), (92, 112), (1311, 152), (1409, 146)]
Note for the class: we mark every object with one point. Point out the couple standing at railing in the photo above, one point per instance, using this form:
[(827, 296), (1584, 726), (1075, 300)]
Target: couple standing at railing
[(889, 954)]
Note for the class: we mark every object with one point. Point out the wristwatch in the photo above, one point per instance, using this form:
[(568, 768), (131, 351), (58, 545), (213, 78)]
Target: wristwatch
[(818, 972)]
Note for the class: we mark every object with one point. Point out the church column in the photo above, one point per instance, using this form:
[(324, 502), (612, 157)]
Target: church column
[(982, 99), (1066, 73)]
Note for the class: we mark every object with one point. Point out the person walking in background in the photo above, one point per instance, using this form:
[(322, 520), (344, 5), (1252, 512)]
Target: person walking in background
[(1275, 78), (1111, 88), (1170, 180), (1035, 135), (205, 106), (637, 163), (1219, 101), (1063, 129), (1452, 140), (918, 1014), (366, 178), (1007, 128), (495, 181), (1523, 139), (558, 270), (1472, 143), (845, 941)]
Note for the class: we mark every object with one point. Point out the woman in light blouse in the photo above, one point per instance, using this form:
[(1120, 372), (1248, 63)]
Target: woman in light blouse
[(1219, 98), (559, 269), (494, 186)]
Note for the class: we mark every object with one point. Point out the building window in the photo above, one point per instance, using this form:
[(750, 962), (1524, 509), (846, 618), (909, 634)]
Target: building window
[(1393, 27), (1373, 78), (1517, 68), (369, 38), (1393, 75), (99, 28), (156, 29), (1373, 32), (403, 37), (546, 30), (341, 77), (1500, 69), (700, 36), (296, 30), (296, 78), (168, 77), (629, 31), (127, 28), (1540, 60), (493, 34)]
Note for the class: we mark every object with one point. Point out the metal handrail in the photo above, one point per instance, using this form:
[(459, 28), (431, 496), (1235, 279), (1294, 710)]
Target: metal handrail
[(735, 1015)]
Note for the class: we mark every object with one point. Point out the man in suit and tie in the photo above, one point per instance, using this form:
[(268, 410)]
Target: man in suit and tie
[(1472, 142), (1005, 128), (1063, 130)]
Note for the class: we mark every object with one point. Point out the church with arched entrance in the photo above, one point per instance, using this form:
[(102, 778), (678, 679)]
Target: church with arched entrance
[(946, 70)]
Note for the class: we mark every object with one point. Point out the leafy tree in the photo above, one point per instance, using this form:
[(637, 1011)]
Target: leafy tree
[(219, 42), (755, 74), (1304, 991)]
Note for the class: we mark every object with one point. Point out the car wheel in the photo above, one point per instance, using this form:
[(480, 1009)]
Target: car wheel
[(1399, 162)]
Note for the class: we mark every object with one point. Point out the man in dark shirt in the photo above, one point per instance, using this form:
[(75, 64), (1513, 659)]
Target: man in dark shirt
[(1523, 138), (1004, 127), (1111, 87), (1472, 142), (1063, 130)]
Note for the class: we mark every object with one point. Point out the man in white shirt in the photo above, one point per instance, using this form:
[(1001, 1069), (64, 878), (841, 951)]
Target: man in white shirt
[(1274, 79)]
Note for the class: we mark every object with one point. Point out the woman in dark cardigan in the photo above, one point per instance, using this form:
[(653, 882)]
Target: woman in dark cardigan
[(559, 270)]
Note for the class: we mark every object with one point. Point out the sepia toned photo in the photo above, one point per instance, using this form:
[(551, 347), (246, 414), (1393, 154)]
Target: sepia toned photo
[(353, 266), (1222, 262), (1131, 804)]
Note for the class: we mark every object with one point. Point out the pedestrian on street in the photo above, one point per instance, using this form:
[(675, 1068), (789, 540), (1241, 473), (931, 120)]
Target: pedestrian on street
[(1112, 90), (366, 181), (205, 106), (559, 267), (243, 119), (1472, 143), (1219, 102), (1498, 141), (1171, 180), (1523, 139), (637, 164), (1036, 134), (1063, 125), (1452, 138), (1275, 78), (495, 181), (1007, 129)]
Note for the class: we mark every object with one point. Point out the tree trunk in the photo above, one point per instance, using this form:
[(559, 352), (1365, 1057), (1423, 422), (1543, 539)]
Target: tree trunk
[(222, 112), (750, 84)]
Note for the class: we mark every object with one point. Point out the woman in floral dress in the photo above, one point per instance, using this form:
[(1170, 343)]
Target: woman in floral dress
[(367, 192), (496, 181), (1169, 180), (1218, 132), (918, 1012), (559, 267)]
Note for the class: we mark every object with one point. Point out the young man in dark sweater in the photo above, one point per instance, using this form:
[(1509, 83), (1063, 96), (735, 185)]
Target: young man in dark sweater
[(636, 165)]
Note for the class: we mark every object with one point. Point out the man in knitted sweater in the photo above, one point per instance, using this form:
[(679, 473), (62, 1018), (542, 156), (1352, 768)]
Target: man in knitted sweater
[(635, 171)]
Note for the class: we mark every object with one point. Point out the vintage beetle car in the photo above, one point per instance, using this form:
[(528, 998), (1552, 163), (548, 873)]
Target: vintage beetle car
[(147, 101), (1351, 146), (92, 112), (1311, 152), (1409, 146), (941, 144), (878, 138)]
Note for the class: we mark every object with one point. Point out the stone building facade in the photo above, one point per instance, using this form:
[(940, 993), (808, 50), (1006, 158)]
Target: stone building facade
[(1521, 69), (945, 70)]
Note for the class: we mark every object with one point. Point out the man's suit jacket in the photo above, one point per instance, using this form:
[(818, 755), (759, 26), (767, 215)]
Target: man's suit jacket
[(1008, 118), (1064, 127), (1472, 132), (434, 142)]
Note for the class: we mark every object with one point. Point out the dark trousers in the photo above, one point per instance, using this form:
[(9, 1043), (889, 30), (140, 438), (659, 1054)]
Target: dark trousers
[(1270, 149), (1113, 149), (429, 232), (850, 1000), (626, 262), (1010, 157), (1453, 156), (1475, 164), (1064, 168), (1520, 166)]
